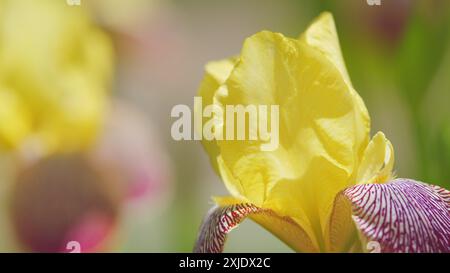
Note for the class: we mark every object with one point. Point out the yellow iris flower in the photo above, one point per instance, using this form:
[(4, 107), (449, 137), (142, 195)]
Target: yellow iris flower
[(55, 68), (325, 144)]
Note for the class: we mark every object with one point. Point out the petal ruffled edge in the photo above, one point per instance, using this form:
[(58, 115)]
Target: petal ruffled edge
[(230, 212), (216, 73), (402, 216)]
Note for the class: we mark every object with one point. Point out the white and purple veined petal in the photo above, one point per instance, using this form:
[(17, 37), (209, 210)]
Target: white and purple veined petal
[(403, 215)]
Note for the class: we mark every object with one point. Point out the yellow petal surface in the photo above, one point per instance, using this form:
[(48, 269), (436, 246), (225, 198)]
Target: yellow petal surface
[(216, 73)]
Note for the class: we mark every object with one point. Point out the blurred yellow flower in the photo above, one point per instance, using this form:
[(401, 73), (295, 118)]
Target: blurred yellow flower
[(55, 69), (325, 142)]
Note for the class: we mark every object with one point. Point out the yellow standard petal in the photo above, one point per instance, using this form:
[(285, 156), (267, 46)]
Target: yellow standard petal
[(324, 127)]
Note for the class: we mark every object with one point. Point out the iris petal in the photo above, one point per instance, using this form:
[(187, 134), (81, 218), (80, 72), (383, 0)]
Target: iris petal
[(403, 215), (230, 212), (378, 161)]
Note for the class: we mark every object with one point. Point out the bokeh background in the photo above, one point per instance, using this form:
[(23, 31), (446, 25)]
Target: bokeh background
[(86, 93)]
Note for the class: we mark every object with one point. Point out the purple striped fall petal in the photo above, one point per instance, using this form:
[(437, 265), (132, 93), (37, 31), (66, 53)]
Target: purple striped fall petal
[(223, 218), (218, 223), (403, 215)]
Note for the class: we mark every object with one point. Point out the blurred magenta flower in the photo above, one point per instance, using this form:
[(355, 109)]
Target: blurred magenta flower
[(63, 198)]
